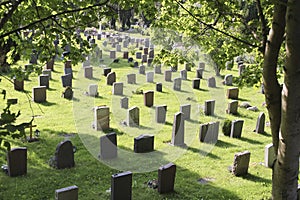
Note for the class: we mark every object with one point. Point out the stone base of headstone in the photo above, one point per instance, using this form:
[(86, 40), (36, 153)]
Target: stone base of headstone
[(67, 193)]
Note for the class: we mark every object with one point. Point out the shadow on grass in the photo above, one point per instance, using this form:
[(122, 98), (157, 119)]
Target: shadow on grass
[(242, 115), (203, 153), (254, 178), (264, 134), (47, 103), (250, 141), (224, 144)]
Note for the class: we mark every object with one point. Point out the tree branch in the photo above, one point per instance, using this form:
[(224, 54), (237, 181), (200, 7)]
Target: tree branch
[(7, 16), (264, 26)]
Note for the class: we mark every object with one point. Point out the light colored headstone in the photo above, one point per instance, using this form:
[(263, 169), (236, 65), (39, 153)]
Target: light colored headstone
[(124, 102), (142, 69), (209, 107), (236, 128), (211, 82), (269, 155), (160, 113), (168, 75), (88, 72), (117, 88), (131, 78), (101, 117), (186, 110), (118, 48), (177, 84), (183, 74), (112, 54), (93, 90), (241, 163), (209, 132), (178, 130), (150, 77), (157, 69), (133, 117), (232, 107)]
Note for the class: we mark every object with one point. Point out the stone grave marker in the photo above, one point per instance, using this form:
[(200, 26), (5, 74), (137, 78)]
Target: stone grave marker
[(142, 69), (168, 75), (211, 82), (228, 80), (93, 90), (144, 143), (118, 48), (121, 186), (209, 132), (47, 72), (260, 124), (117, 88), (149, 98), (232, 107), (125, 55), (186, 110), (138, 55), (39, 94), (68, 71), (44, 81), (106, 71), (183, 74), (269, 155), (196, 83), (17, 161), (160, 114), (144, 58), (241, 69), (112, 54), (241, 163), (150, 77), (66, 80), (209, 107), (157, 69), (187, 67), (166, 178), (133, 117), (88, 72), (111, 78), (68, 93), (149, 61), (68, 64), (151, 53), (146, 49), (178, 130), (201, 65), (177, 84), (233, 93), (64, 155), (236, 128), (18, 84), (199, 73), (135, 64), (50, 64), (124, 102), (159, 87), (86, 63), (101, 117), (67, 193), (108, 146)]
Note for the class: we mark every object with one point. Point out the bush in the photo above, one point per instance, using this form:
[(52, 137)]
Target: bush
[(226, 128)]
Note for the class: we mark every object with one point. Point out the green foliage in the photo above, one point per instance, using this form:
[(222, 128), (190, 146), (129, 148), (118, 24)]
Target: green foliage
[(226, 128)]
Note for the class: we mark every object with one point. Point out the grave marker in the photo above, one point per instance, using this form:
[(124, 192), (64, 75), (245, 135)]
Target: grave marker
[(177, 84), (159, 87), (47, 72), (108, 146), (18, 84), (149, 98), (39, 94), (101, 117), (178, 130), (150, 77), (112, 54), (209, 108), (211, 82), (64, 155), (232, 107), (199, 73), (67, 193), (144, 143), (106, 71), (142, 69), (166, 178), (117, 88), (233, 93), (168, 75), (209, 132), (44, 81), (133, 117), (241, 163), (186, 110), (88, 72), (124, 102), (17, 161), (157, 69), (236, 128), (121, 186), (160, 114), (183, 74), (228, 80), (111, 78), (269, 155), (196, 83), (260, 124), (93, 90), (66, 80)]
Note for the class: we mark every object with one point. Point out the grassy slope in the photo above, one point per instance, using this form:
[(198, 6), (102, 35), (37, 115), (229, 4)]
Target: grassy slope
[(56, 118)]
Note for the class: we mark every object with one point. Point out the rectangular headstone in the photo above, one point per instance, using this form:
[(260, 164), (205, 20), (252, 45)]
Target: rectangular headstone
[(236, 128), (233, 107), (68, 71), (18, 84), (47, 72), (201, 65), (177, 84), (131, 78), (93, 90), (108, 146), (157, 69), (121, 186), (178, 130), (118, 48), (39, 94), (88, 72), (241, 163), (101, 117), (117, 88), (209, 108), (144, 143), (144, 58), (186, 110), (112, 54), (183, 74), (142, 69), (209, 132), (125, 55), (166, 178), (196, 83), (106, 71), (17, 161), (211, 82), (199, 73), (149, 98), (146, 49), (151, 53), (269, 155), (133, 117), (233, 93), (66, 80), (159, 87), (64, 155), (124, 102), (260, 123), (67, 193), (44, 81), (111, 78), (150, 77), (138, 55), (168, 75)]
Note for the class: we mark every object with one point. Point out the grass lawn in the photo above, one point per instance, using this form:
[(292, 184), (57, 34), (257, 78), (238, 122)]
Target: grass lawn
[(59, 119)]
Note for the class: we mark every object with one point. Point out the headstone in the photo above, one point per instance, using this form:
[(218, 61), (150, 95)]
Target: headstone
[(241, 163), (186, 110), (209, 108), (118, 48), (187, 67), (183, 74), (106, 71), (199, 73), (108, 146), (125, 55), (149, 61), (39, 94), (133, 117), (93, 90), (151, 53), (236, 128), (125, 44), (131, 78), (232, 107), (68, 71), (159, 87), (196, 83), (177, 84), (101, 117), (269, 155), (66, 80), (211, 82), (47, 72), (68, 93), (88, 72), (121, 186), (124, 102), (136, 64), (233, 93), (64, 155), (166, 178), (150, 77), (44, 81), (67, 193), (138, 55), (201, 65), (260, 124), (18, 84), (228, 80), (149, 98), (68, 64), (209, 132), (160, 114), (157, 69), (144, 143), (50, 64), (17, 161), (146, 49), (241, 69), (111, 78), (86, 63), (178, 130), (142, 69), (168, 75), (144, 58), (112, 54), (117, 88)]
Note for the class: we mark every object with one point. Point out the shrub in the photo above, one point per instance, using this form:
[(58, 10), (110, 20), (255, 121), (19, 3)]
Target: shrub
[(226, 128)]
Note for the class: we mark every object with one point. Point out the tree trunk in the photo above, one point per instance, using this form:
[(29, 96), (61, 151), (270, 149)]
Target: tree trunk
[(286, 169)]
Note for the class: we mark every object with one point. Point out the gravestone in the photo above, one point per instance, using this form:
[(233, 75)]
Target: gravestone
[(93, 90), (150, 77), (67, 193), (211, 82), (187, 67), (209, 132), (68, 64), (88, 72), (112, 54), (39, 94), (146, 49), (199, 73), (236, 128), (86, 63), (232, 107), (144, 58), (125, 44), (196, 83), (149, 98), (144, 143), (133, 117), (106, 71), (157, 69), (178, 130), (183, 74), (64, 155), (209, 107), (44, 81), (241, 69), (47, 72), (124, 102), (269, 155), (50, 64), (117, 88), (136, 65), (118, 48), (241, 163), (68, 93), (17, 161), (125, 55), (168, 75), (260, 124), (121, 186), (108, 146), (186, 110), (166, 178), (68, 71), (149, 61), (151, 53), (228, 80), (18, 84), (159, 87), (177, 84), (233, 93), (138, 55), (142, 69), (201, 65), (160, 114), (66, 80), (111, 78), (101, 117)]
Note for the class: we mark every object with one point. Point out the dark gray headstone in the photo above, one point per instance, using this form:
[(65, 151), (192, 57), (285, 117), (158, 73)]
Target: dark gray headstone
[(241, 163), (269, 155), (39, 94), (68, 71), (138, 55), (101, 117), (201, 65), (144, 143), (236, 128), (177, 84), (149, 98), (160, 114), (196, 83), (211, 82), (260, 124), (228, 80), (186, 110), (121, 186), (112, 54), (17, 161), (125, 55), (146, 49), (124, 102), (108, 146), (159, 87), (142, 69), (136, 65), (67, 193), (149, 61), (178, 130), (88, 72), (209, 107), (44, 81), (233, 93), (233, 107), (106, 71), (144, 58), (151, 53), (133, 117), (209, 132), (157, 69), (64, 155), (111, 78), (199, 73), (166, 178), (168, 75), (188, 67), (18, 84), (66, 80), (68, 93), (183, 74)]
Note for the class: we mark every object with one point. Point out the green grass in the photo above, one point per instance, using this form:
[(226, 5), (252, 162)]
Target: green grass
[(59, 116)]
